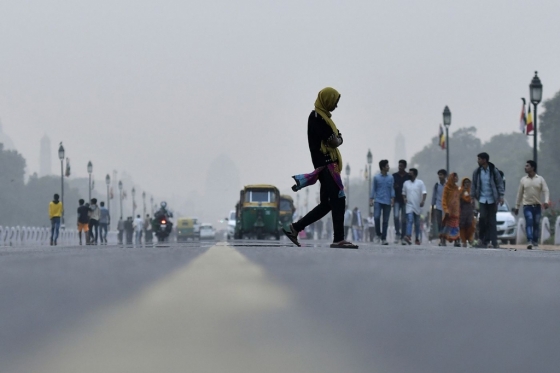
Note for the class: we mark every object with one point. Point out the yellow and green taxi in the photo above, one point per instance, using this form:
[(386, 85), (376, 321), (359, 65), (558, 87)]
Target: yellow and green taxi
[(188, 228), (258, 212)]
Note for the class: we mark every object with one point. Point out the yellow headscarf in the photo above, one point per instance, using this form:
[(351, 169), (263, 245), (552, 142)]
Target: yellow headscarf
[(325, 103)]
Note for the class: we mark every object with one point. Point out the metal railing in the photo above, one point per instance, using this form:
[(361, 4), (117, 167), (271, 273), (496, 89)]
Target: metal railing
[(41, 236)]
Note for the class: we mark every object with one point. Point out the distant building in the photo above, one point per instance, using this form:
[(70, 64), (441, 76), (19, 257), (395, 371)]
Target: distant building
[(4, 139), (400, 149), (45, 160)]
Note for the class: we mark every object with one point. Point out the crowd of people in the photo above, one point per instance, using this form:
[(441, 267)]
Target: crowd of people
[(94, 221), (131, 231), (458, 213)]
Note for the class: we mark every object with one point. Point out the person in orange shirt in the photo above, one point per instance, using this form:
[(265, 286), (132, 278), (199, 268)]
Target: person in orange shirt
[(83, 221)]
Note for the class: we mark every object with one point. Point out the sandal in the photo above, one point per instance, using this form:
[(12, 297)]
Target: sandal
[(292, 235), (344, 245)]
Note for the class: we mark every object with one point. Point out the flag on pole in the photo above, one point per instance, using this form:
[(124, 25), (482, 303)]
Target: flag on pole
[(441, 137), (523, 119), (67, 173), (124, 194), (111, 196), (529, 122)]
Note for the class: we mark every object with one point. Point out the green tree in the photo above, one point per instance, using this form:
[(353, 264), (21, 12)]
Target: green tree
[(549, 134), (12, 171), (509, 152)]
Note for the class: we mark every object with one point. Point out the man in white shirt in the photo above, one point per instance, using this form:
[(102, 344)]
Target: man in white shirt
[(138, 225), (414, 194), (531, 188)]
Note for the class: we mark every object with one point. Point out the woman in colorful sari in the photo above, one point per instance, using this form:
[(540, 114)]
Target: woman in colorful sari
[(467, 223), (451, 210)]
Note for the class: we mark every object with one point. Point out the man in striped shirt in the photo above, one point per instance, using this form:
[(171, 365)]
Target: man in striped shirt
[(531, 188)]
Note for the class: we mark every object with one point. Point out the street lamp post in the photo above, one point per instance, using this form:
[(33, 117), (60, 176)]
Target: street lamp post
[(108, 182), (152, 204), (89, 170), (120, 195), (348, 185), (447, 123), (144, 203), (61, 157), (133, 203), (369, 161), (535, 90)]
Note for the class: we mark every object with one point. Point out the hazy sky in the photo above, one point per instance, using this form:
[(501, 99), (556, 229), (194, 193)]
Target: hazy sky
[(161, 88)]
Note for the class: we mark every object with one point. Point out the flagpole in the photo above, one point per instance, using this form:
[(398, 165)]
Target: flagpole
[(535, 152)]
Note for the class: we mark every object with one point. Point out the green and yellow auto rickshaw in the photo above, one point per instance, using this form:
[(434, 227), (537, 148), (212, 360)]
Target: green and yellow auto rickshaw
[(287, 210), (258, 213), (188, 228)]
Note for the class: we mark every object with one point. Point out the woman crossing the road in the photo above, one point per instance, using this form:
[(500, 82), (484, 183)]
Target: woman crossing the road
[(324, 139)]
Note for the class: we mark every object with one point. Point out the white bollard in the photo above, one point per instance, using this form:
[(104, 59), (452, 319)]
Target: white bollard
[(1, 236), (545, 230), (521, 234)]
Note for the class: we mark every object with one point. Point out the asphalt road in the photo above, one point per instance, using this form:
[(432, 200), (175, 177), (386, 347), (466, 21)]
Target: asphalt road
[(269, 307)]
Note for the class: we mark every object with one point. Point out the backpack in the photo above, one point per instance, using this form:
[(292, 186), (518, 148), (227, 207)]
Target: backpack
[(503, 177)]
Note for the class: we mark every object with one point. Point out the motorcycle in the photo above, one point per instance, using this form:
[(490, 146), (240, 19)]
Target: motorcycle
[(162, 228)]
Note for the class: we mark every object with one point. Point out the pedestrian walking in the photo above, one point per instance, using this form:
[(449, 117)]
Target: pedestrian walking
[(357, 224), (488, 189), (371, 227), (382, 198), (148, 233), (129, 230), (450, 202), (94, 215), (120, 229), (437, 208), (399, 208), (104, 221), (348, 222), (531, 189), (138, 225), (324, 138), (414, 195), (467, 222), (55, 214), (83, 221)]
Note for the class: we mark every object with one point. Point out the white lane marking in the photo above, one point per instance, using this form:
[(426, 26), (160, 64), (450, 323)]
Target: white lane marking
[(220, 313)]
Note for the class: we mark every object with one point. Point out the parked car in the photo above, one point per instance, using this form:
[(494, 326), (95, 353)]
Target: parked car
[(207, 232), (506, 225)]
